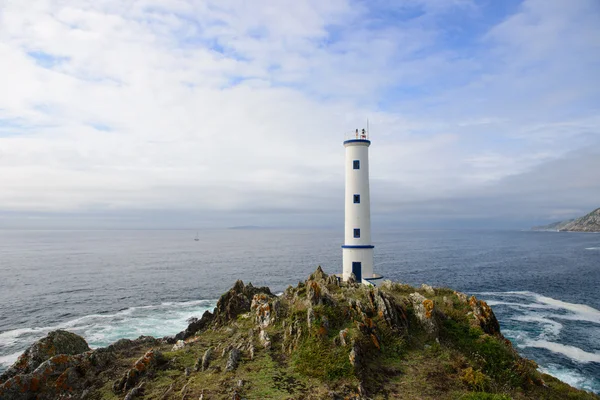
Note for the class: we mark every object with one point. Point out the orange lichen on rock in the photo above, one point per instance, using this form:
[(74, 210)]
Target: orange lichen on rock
[(142, 364), (375, 341), (484, 316), (61, 382), (34, 384), (60, 359), (428, 304)]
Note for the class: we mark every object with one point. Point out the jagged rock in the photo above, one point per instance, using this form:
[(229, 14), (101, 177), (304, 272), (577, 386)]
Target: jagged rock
[(484, 316), (178, 346), (390, 286), (385, 307), (236, 301), (291, 336), (55, 343), (316, 293), (265, 309), (428, 289), (204, 361), (251, 351), (233, 360), (149, 361), (135, 392), (351, 279), (355, 356), (264, 338), (310, 317), (289, 292), (226, 350), (423, 308), (343, 336), (54, 377), (318, 275), (195, 326), (461, 296), (128, 344), (332, 280)]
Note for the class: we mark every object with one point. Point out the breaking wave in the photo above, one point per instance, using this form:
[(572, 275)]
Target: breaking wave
[(100, 330), (569, 376), (562, 337), (574, 353)]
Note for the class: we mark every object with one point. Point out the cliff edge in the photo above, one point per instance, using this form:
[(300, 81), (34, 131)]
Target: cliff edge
[(322, 339)]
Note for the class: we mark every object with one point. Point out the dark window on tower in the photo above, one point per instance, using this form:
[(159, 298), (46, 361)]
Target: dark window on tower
[(357, 234), (356, 198), (356, 164)]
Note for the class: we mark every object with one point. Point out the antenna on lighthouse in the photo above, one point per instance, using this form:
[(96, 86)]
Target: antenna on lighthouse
[(368, 128)]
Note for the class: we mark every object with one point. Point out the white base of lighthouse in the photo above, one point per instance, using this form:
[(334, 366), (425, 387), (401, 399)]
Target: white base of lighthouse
[(358, 261)]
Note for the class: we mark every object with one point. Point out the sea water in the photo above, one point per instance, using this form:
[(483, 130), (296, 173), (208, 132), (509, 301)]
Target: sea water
[(107, 285)]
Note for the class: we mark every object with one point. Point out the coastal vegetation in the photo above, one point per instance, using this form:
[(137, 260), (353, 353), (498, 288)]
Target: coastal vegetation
[(321, 339)]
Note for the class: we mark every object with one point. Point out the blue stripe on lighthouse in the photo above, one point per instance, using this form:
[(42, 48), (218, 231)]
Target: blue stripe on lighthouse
[(357, 141), (364, 246)]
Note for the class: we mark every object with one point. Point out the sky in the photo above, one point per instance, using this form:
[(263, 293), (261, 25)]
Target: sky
[(193, 114)]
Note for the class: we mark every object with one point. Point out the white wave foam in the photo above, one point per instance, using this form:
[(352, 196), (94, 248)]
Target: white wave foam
[(103, 329), (572, 352), (582, 311), (578, 312), (9, 359), (519, 305), (592, 248), (571, 377), (551, 328)]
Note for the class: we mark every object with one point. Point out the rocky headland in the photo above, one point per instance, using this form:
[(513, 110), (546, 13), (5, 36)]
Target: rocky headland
[(588, 223), (322, 339)]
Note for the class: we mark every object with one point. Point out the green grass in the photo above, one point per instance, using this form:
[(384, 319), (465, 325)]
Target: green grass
[(484, 396), (319, 358)]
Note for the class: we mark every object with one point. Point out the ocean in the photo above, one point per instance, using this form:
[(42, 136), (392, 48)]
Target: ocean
[(107, 285)]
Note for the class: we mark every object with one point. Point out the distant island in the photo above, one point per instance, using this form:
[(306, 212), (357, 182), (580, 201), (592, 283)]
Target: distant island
[(247, 227), (588, 223)]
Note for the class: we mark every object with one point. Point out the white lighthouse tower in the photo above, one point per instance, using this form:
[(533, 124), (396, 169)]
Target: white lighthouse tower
[(357, 251)]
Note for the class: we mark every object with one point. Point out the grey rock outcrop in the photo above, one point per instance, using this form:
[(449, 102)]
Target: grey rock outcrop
[(265, 309), (236, 301), (423, 308), (484, 316), (57, 376), (55, 343), (233, 360), (148, 362), (203, 363), (195, 325), (180, 344)]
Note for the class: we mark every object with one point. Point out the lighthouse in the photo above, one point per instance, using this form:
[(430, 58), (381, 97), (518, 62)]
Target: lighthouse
[(357, 251)]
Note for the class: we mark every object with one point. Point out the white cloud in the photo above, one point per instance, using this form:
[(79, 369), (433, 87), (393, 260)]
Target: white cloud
[(232, 106)]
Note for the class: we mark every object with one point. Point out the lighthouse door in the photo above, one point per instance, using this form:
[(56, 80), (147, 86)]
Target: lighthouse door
[(357, 270)]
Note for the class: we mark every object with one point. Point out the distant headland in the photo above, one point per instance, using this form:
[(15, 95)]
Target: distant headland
[(588, 223)]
